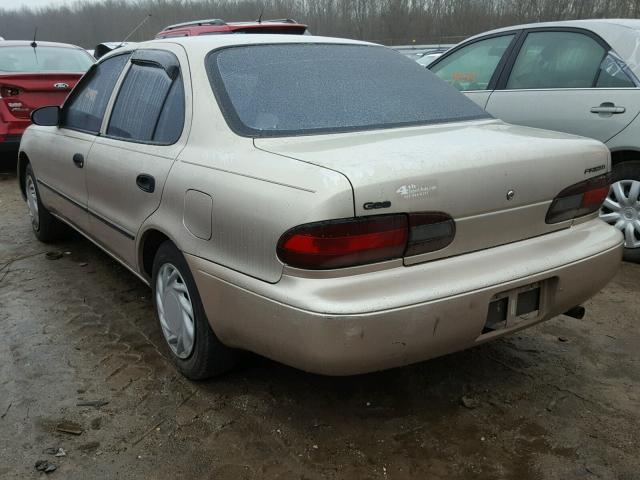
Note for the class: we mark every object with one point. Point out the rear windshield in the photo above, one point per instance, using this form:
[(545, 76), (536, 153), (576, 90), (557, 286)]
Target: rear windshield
[(26, 59), (301, 89)]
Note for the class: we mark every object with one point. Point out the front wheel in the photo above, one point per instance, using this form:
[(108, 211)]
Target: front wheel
[(45, 226), (622, 207), (194, 347)]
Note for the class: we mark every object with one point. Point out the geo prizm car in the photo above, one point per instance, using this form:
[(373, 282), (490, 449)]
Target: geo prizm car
[(323, 202)]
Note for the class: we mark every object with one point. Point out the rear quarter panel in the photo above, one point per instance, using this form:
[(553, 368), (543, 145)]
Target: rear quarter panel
[(629, 138), (255, 197)]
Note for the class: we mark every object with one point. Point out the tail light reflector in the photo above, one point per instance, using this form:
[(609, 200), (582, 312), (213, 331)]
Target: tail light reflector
[(355, 241), (579, 200), (429, 232)]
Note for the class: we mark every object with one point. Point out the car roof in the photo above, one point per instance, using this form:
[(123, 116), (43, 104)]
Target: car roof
[(201, 45), (622, 34), (27, 43), (600, 23)]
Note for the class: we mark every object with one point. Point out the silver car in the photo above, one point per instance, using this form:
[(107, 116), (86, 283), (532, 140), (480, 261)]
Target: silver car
[(324, 202), (578, 77)]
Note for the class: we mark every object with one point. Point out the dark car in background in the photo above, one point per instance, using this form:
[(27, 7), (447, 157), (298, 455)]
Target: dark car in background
[(32, 75), (217, 26)]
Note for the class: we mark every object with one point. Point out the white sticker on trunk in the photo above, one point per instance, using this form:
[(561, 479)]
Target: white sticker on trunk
[(417, 191)]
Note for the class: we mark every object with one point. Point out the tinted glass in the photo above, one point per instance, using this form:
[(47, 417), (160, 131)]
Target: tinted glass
[(614, 74), (171, 121), (149, 107), (26, 59), (472, 67), (277, 90), (557, 60), (86, 106)]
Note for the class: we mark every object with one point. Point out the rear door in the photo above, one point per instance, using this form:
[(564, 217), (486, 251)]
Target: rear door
[(474, 68), (60, 165), (567, 80), (140, 140)]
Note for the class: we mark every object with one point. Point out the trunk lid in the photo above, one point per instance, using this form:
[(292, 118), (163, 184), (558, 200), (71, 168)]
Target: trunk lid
[(496, 180), (24, 92)]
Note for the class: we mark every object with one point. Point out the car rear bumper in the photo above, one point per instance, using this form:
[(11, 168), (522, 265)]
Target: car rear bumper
[(10, 143), (11, 130), (394, 317)]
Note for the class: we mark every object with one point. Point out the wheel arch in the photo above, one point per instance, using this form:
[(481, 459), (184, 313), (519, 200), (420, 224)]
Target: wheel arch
[(151, 237), (620, 155), (150, 241), (23, 161)]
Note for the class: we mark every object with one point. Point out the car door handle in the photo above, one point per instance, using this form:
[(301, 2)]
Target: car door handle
[(78, 159), (608, 108), (146, 183)]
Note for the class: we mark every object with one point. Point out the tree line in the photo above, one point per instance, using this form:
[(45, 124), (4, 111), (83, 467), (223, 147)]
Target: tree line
[(390, 22)]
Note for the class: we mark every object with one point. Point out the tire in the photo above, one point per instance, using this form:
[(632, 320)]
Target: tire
[(193, 346), (625, 175), (46, 227)]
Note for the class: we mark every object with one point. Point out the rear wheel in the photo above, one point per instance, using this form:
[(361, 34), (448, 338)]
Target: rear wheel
[(193, 346), (622, 207), (46, 227)]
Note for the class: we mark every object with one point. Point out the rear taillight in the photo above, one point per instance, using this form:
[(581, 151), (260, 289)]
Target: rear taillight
[(6, 92), (362, 240), (580, 199)]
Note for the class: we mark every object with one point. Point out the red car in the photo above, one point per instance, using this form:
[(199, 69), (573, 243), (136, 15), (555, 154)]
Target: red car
[(33, 75), (217, 26)]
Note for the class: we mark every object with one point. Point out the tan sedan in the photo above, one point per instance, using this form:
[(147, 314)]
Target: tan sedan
[(324, 202)]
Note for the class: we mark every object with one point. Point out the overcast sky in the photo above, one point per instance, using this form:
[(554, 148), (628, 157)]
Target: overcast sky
[(15, 4)]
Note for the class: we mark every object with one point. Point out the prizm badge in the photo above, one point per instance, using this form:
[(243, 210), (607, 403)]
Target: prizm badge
[(595, 169), (61, 86)]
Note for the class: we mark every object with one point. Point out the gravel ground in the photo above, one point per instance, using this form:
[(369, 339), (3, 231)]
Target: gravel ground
[(558, 401)]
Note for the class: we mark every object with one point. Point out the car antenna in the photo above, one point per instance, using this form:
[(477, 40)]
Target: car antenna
[(148, 16), (34, 44), (261, 13)]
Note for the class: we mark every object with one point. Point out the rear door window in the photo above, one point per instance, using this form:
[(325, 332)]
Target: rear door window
[(149, 107), (557, 60), (615, 74), (85, 107), (472, 67)]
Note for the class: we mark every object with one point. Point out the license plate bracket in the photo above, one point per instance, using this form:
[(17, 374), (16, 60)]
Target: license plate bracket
[(510, 308)]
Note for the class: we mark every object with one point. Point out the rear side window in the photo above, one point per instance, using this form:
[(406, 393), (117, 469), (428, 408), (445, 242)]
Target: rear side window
[(88, 101), (149, 107), (295, 89), (557, 60), (615, 74), (471, 67)]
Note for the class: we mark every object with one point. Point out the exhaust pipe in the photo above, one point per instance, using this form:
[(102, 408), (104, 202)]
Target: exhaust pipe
[(576, 312)]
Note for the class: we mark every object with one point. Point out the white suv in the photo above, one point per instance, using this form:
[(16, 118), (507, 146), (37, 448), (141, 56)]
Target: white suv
[(578, 77)]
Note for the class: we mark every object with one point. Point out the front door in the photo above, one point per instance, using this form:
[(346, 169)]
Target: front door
[(61, 175), (130, 161), (474, 68)]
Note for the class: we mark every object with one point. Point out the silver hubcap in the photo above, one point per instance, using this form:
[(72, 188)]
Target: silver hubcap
[(175, 310), (622, 210), (32, 202)]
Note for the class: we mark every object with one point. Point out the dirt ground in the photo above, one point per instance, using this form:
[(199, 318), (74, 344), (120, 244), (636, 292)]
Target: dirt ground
[(558, 401)]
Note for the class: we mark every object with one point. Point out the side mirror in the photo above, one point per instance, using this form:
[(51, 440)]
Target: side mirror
[(46, 116)]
